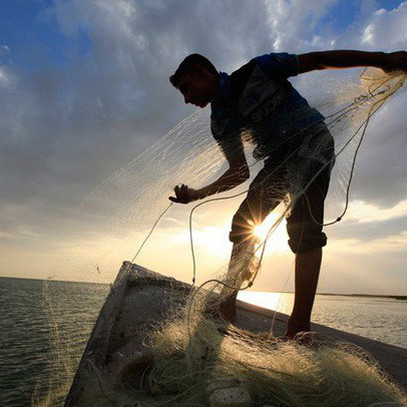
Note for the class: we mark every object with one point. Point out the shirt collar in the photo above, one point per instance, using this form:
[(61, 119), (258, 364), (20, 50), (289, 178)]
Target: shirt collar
[(224, 81)]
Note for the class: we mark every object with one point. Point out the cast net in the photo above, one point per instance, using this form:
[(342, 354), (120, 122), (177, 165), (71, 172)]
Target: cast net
[(191, 357)]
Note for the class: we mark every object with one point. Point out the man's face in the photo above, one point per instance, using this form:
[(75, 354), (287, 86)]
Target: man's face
[(198, 88)]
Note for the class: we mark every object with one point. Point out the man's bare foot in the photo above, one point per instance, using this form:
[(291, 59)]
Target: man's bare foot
[(227, 309), (296, 329)]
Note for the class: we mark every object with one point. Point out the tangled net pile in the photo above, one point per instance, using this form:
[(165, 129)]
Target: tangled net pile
[(195, 354), (196, 358)]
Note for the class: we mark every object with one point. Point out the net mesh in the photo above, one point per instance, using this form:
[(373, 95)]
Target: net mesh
[(194, 356)]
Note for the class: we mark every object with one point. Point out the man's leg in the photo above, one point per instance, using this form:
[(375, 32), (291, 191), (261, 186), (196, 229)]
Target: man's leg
[(304, 227), (240, 269), (267, 190), (307, 267)]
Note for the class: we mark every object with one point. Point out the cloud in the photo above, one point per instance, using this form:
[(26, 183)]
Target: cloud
[(292, 24), (393, 244), (362, 212), (384, 26), (7, 79)]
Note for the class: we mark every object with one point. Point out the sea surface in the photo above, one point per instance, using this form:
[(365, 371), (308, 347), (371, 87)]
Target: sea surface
[(44, 327)]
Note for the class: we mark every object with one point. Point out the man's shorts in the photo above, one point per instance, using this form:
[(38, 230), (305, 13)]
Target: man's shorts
[(300, 171)]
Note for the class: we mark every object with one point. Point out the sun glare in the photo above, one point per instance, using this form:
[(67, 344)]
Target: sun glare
[(278, 238), (270, 300)]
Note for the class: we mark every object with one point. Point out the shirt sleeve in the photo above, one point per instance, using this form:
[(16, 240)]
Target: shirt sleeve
[(278, 65)]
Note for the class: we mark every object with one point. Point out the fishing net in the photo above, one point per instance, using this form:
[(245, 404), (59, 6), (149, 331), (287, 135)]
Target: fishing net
[(194, 355)]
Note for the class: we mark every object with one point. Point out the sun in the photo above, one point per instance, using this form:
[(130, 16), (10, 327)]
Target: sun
[(260, 232), (277, 240), (263, 229)]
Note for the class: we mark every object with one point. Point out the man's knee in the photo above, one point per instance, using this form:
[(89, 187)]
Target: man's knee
[(304, 239), (242, 225), (241, 232)]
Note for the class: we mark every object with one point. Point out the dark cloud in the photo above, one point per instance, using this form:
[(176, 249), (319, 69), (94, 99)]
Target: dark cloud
[(381, 174), (368, 232)]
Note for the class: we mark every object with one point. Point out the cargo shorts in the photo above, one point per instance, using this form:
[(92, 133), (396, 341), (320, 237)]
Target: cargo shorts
[(300, 171)]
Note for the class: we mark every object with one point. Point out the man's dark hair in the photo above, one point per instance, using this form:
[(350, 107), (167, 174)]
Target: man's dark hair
[(188, 65)]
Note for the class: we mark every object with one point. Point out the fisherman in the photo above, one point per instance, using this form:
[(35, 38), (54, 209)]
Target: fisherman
[(294, 142)]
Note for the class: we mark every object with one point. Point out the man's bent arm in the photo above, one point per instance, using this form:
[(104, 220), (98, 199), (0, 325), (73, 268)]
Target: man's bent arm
[(237, 173), (233, 177), (349, 59)]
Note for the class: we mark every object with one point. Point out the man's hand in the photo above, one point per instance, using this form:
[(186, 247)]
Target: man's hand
[(395, 61), (184, 195)]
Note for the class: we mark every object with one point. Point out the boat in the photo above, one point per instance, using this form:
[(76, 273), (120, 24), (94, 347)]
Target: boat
[(140, 299)]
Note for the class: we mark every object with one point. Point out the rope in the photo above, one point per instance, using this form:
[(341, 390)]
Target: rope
[(151, 231)]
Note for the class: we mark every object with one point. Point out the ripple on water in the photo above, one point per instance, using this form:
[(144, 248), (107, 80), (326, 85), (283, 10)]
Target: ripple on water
[(26, 348)]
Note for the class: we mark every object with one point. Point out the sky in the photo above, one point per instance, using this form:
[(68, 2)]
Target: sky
[(84, 90)]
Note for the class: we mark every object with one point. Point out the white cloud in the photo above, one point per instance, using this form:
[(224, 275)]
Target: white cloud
[(386, 29), (6, 79), (292, 23), (4, 49), (363, 212), (387, 247)]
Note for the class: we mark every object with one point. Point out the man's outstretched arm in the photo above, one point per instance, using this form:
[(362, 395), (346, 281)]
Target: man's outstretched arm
[(348, 59)]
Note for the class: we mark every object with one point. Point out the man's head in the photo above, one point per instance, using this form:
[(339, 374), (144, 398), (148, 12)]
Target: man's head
[(197, 79)]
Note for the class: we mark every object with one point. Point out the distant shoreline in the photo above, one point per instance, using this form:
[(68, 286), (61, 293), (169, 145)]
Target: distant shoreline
[(54, 281), (394, 297)]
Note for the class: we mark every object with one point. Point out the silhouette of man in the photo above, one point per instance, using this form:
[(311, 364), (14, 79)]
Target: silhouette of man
[(294, 142)]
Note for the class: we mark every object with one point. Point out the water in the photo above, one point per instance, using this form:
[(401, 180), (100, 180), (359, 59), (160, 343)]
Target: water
[(28, 338), (379, 318), (28, 341)]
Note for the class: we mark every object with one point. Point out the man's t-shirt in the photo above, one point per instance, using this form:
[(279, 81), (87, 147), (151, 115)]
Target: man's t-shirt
[(258, 99)]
